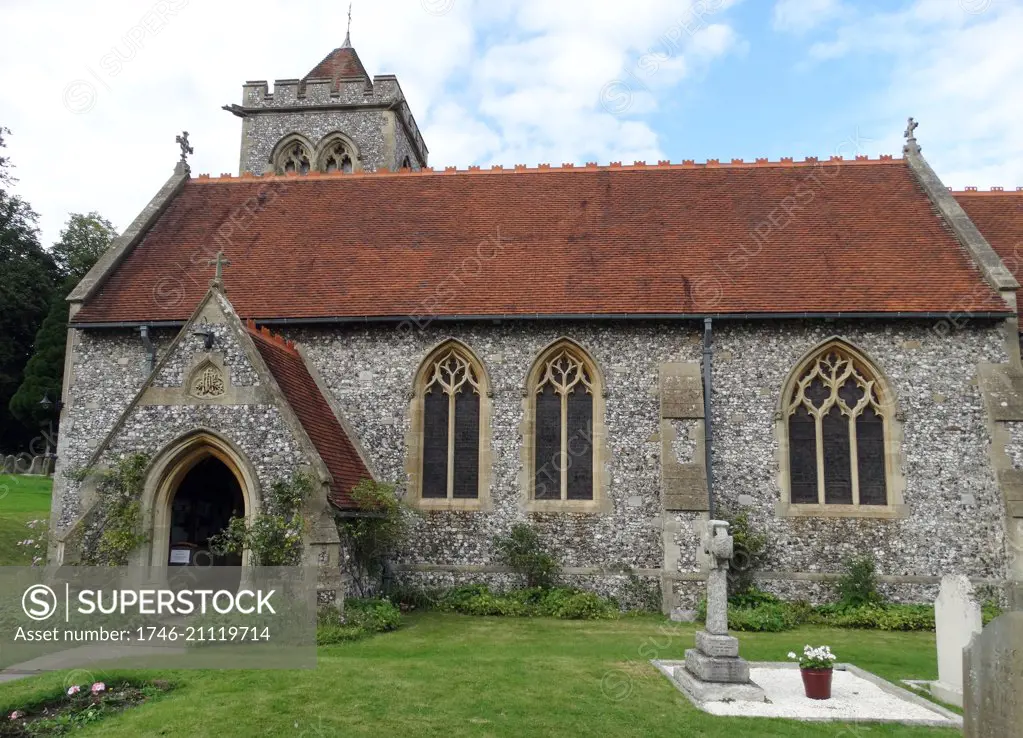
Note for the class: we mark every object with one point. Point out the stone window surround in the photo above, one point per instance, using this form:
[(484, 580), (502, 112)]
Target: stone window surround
[(279, 153), (317, 154), (322, 151), (600, 501), (414, 460), (893, 442)]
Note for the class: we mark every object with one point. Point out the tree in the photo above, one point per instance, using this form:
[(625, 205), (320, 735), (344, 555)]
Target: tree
[(26, 287), (82, 241)]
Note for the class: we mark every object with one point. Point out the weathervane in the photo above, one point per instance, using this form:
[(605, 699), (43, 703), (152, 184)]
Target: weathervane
[(220, 262), (910, 135), (348, 33)]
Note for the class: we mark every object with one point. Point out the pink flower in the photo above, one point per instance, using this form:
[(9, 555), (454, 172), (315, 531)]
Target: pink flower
[(98, 687), (17, 714), (73, 690)]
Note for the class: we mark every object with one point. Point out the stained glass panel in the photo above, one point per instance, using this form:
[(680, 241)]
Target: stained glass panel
[(580, 444), (548, 445), (435, 444), (803, 457), (837, 469)]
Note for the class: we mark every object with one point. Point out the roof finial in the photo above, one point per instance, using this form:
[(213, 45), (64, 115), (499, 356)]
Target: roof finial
[(910, 134), (182, 141), (220, 262), (348, 34)]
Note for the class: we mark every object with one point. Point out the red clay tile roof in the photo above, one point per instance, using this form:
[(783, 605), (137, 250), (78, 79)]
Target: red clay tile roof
[(999, 216), (335, 448), (834, 237), (341, 62)]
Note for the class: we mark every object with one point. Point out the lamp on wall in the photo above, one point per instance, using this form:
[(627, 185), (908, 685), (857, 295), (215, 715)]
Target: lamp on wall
[(206, 334)]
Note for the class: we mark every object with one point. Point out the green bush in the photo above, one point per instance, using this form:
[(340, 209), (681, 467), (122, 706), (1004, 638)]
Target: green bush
[(858, 584), (750, 551), (376, 616), (569, 604), (770, 618), (989, 611), (757, 611), (876, 617), (525, 554), (362, 618), (563, 603)]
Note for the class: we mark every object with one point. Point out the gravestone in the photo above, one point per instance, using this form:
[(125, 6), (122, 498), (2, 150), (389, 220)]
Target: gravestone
[(713, 671), (957, 618), (9, 464), (993, 680), (48, 463), (37, 465)]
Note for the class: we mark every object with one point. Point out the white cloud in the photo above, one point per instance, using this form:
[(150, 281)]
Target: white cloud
[(957, 67), (800, 16), (95, 102)]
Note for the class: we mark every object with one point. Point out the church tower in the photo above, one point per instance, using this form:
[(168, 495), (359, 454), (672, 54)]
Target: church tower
[(334, 118)]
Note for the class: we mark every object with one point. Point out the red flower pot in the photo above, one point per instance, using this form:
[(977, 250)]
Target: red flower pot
[(817, 683)]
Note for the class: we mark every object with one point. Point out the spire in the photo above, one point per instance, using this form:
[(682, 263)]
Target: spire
[(348, 34)]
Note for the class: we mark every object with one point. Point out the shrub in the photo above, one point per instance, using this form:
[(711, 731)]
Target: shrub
[(989, 611), (570, 604), (376, 616), (374, 534), (563, 603), (750, 550), (877, 617), (858, 584), (362, 618), (523, 552)]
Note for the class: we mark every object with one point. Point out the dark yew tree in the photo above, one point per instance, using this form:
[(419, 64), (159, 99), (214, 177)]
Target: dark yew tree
[(27, 277)]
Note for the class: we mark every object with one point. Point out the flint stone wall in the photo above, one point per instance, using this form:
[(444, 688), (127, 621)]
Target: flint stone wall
[(364, 127), (955, 521), (110, 368)]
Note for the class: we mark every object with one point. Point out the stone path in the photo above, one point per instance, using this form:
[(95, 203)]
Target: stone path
[(81, 659)]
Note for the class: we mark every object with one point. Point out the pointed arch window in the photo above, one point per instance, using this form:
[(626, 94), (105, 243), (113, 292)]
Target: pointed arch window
[(839, 432), (292, 157), (565, 427), (451, 416), (338, 158), (336, 152)]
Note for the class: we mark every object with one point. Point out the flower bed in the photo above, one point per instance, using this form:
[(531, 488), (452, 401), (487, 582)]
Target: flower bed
[(80, 705)]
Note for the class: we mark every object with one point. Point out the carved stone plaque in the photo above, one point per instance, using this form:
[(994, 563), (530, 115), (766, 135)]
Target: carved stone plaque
[(207, 381), (681, 390)]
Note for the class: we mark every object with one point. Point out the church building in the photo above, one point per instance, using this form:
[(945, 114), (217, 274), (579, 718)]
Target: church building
[(615, 353)]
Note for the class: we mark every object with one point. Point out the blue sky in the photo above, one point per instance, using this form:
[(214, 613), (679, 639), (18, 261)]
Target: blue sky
[(515, 81)]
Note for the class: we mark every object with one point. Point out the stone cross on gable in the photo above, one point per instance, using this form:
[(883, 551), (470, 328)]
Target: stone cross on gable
[(910, 134), (182, 141), (220, 262)]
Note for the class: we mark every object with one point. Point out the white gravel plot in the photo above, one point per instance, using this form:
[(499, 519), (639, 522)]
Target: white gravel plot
[(852, 698)]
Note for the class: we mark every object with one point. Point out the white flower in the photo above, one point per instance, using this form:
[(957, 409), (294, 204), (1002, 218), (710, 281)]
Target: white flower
[(792, 655), (75, 689)]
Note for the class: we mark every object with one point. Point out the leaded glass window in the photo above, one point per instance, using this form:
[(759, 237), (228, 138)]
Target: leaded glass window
[(836, 433), (451, 427), (563, 428)]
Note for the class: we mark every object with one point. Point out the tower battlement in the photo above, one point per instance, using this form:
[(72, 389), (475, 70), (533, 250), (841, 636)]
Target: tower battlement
[(336, 116)]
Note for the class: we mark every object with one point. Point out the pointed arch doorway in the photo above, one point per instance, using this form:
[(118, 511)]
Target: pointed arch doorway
[(196, 485), (206, 499)]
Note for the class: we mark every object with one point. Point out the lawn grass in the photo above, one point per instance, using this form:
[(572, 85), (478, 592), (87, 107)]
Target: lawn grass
[(22, 498), (455, 675)]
